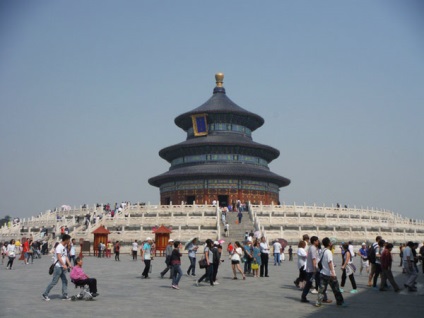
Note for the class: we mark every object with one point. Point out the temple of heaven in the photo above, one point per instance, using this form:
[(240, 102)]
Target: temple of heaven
[(219, 161)]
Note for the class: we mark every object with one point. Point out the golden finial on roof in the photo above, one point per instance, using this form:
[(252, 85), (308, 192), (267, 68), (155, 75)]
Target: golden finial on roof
[(219, 77)]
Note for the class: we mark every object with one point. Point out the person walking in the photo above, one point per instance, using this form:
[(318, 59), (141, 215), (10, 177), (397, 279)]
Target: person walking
[(377, 264), (117, 249), (24, 255), (235, 260), (372, 251), (311, 267), (62, 264), (168, 252), (217, 252), (386, 261), (11, 253), (301, 265), (3, 252), (240, 216), (208, 254), (422, 256), (328, 276), (363, 252), (146, 257), (192, 250), (175, 261), (227, 229), (409, 268), (277, 252), (347, 262)]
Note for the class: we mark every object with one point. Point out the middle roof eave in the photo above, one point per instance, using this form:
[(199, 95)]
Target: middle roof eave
[(191, 145)]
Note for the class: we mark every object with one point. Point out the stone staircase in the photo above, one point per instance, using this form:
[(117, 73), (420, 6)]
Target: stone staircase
[(237, 231)]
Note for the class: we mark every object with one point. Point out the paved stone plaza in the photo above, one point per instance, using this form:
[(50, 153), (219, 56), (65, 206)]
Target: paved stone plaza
[(123, 293)]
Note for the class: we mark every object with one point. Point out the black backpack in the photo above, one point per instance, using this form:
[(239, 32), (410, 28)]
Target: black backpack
[(320, 261), (371, 254)]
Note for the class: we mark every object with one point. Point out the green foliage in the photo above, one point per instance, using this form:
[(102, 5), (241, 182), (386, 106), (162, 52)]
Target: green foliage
[(5, 220)]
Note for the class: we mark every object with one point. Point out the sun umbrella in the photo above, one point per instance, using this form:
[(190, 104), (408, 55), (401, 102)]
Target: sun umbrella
[(283, 242), (333, 240), (189, 242), (65, 207), (221, 241)]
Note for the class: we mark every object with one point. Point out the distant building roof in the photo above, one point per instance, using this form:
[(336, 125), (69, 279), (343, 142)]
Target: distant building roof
[(162, 229), (101, 230)]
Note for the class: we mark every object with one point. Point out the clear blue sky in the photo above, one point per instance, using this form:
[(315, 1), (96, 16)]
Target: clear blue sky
[(89, 91)]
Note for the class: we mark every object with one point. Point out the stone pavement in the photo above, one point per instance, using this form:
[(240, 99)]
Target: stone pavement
[(123, 293)]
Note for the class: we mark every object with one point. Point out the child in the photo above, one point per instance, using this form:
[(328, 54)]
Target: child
[(78, 275)]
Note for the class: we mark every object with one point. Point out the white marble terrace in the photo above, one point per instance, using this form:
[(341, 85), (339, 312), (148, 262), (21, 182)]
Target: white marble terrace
[(187, 221)]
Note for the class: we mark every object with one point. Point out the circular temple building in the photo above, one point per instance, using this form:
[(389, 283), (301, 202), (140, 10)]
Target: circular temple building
[(219, 161)]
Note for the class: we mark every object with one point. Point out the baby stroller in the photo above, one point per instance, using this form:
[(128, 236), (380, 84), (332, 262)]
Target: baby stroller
[(84, 293)]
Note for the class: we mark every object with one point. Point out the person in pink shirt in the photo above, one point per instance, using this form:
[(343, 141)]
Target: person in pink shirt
[(78, 275)]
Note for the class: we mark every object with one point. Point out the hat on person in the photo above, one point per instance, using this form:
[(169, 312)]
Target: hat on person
[(364, 244), (249, 239), (170, 240), (216, 243), (148, 239)]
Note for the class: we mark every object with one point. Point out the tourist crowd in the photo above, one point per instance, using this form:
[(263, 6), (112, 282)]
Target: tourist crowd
[(248, 258)]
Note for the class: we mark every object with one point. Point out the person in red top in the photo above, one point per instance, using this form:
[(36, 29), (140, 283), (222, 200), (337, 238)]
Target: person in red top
[(230, 248), (386, 269), (24, 256)]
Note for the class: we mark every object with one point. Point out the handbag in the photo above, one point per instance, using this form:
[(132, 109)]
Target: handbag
[(350, 269), (255, 265), (203, 263), (51, 268)]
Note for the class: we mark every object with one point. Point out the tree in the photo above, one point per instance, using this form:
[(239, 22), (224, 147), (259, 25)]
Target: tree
[(5, 220)]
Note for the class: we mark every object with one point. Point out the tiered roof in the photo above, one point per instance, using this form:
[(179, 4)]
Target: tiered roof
[(219, 108)]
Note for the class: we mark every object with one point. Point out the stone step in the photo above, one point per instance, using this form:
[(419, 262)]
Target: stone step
[(237, 231)]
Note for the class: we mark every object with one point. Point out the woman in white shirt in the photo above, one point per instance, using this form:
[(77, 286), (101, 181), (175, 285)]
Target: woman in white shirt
[(3, 252), (301, 264), (235, 260), (11, 253)]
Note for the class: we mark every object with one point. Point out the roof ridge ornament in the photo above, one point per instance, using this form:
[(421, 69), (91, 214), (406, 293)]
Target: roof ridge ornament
[(219, 88), (219, 77)]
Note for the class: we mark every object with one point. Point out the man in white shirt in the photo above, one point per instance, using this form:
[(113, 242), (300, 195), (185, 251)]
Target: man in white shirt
[(227, 229), (372, 263), (72, 252), (264, 247), (311, 267), (277, 250), (134, 250), (61, 267), (409, 268), (328, 276)]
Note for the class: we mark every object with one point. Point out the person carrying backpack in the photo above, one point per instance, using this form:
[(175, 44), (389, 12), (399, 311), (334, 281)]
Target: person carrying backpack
[(372, 258)]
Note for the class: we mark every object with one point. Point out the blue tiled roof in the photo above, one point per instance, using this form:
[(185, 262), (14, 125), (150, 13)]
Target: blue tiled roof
[(219, 103), (220, 170)]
